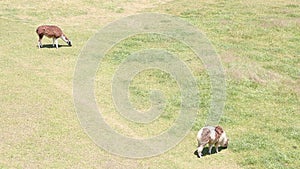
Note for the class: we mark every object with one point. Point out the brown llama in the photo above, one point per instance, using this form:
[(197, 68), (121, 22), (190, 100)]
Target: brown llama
[(51, 31)]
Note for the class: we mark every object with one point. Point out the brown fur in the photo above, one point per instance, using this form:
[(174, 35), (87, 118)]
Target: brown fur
[(50, 31), (219, 131), (205, 136)]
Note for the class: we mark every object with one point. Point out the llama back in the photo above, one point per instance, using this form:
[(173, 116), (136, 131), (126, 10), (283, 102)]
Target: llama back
[(203, 136), (50, 31)]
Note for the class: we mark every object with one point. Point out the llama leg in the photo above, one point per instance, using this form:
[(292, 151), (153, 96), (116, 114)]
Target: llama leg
[(199, 150), (217, 147), (40, 45), (55, 41), (210, 148)]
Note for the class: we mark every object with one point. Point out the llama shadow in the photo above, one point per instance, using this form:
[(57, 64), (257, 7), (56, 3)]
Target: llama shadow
[(51, 46), (205, 151)]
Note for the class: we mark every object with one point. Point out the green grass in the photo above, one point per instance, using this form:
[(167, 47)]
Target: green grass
[(257, 41)]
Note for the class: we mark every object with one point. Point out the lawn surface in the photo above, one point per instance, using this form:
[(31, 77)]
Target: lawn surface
[(258, 43)]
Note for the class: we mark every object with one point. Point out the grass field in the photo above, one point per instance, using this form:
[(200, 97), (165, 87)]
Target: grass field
[(259, 46)]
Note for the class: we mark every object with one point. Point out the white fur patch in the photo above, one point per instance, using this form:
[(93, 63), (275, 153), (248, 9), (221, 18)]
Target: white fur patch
[(55, 42), (64, 38), (40, 44)]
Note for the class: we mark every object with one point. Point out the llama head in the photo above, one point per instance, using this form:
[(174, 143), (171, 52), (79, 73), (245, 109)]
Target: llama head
[(69, 42), (224, 140)]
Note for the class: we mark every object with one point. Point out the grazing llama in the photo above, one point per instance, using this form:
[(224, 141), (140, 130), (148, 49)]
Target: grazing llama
[(213, 136), (53, 32)]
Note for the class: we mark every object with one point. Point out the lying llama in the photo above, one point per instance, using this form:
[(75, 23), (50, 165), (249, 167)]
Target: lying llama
[(53, 32)]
